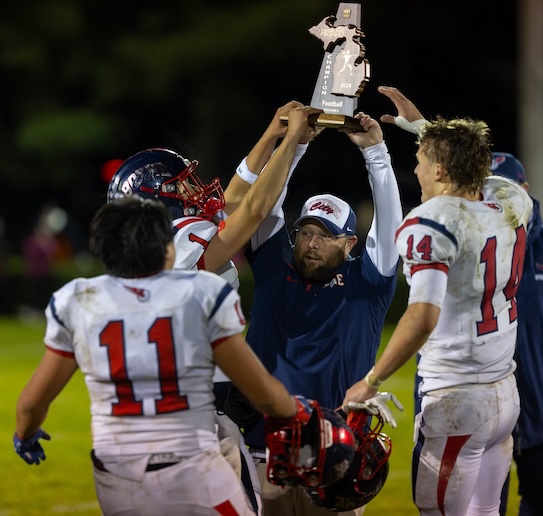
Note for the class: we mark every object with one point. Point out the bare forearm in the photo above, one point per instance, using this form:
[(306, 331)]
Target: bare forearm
[(50, 377), (277, 403), (28, 418), (239, 362), (248, 170), (412, 331), (407, 339), (257, 158), (263, 195), (261, 153)]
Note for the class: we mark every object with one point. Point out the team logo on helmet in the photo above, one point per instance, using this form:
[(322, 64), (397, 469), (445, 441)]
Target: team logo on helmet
[(133, 182)]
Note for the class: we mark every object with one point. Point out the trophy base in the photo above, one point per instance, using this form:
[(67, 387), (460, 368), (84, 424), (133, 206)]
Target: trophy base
[(334, 121)]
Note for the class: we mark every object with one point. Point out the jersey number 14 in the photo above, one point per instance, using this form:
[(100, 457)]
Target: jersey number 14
[(488, 322)]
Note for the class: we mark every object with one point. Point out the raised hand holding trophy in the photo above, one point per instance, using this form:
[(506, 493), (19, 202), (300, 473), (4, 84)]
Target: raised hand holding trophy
[(344, 70)]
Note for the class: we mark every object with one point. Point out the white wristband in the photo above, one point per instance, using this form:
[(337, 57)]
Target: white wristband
[(244, 172)]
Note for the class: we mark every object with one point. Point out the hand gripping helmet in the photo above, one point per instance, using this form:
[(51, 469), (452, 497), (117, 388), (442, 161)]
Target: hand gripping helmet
[(368, 470), (165, 175), (311, 454)]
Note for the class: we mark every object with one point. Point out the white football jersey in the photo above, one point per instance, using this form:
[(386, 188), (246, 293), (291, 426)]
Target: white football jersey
[(191, 238), (144, 346), (480, 246)]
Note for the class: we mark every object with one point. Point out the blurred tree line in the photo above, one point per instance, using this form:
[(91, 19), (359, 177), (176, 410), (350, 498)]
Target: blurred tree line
[(84, 82), (88, 81)]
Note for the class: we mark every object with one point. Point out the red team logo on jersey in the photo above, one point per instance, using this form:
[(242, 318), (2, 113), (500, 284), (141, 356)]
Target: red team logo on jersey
[(494, 206), (142, 294)]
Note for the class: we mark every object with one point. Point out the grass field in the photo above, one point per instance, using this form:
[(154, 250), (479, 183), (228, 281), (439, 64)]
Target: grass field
[(63, 483)]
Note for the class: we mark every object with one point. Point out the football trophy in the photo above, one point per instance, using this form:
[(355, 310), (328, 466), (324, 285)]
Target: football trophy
[(344, 70)]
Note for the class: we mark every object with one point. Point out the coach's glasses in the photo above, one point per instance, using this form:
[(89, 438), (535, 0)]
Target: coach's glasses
[(306, 235)]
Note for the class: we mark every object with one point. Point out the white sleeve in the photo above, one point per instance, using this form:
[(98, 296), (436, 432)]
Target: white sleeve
[(191, 237), (428, 249), (276, 219), (387, 209), (223, 308), (428, 286), (58, 336)]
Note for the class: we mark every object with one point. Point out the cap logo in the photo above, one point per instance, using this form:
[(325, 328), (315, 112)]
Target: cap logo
[(326, 208), (497, 161)]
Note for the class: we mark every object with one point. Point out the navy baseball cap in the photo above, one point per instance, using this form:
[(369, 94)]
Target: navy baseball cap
[(336, 215), (506, 165)]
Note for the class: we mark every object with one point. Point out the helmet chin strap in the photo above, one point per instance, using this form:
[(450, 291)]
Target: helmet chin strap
[(189, 212)]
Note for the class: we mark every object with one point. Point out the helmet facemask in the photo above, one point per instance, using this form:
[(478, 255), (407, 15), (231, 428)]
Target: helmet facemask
[(196, 197)]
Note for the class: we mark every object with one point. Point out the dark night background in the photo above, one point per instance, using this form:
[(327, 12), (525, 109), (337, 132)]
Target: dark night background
[(87, 81), (83, 82)]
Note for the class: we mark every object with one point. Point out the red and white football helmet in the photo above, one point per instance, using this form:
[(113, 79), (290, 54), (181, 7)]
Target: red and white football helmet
[(309, 454), (165, 175), (368, 471)]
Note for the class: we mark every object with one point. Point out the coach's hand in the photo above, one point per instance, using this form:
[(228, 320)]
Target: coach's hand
[(30, 449), (377, 405)]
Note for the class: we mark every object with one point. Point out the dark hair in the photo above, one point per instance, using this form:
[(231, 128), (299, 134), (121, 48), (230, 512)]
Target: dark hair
[(130, 236), (463, 147)]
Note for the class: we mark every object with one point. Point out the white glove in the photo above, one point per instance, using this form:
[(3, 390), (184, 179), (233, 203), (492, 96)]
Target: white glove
[(377, 405)]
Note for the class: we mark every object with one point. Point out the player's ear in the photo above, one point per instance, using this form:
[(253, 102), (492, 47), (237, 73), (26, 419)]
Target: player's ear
[(170, 256), (351, 242), (440, 171)]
